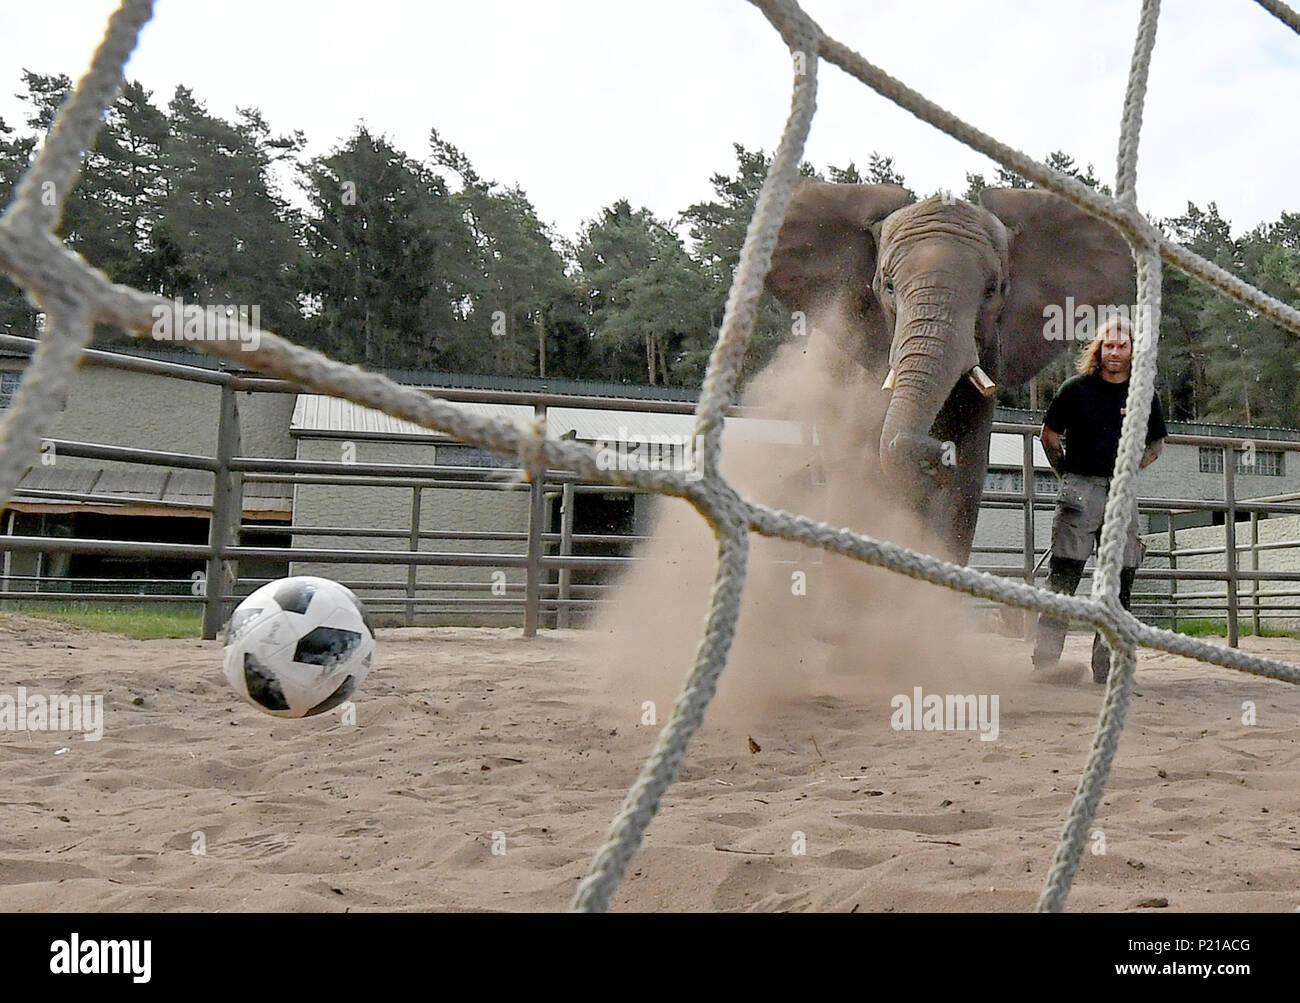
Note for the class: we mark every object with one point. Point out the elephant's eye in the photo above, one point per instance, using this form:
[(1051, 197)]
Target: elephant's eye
[(889, 285), (991, 289)]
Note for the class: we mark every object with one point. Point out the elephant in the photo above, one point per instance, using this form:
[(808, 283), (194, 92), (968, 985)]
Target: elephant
[(949, 299)]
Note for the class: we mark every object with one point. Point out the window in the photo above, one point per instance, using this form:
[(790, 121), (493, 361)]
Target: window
[(1046, 484), (1268, 462), (8, 384), (1013, 482)]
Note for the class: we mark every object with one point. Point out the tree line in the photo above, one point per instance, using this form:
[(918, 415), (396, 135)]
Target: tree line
[(396, 261)]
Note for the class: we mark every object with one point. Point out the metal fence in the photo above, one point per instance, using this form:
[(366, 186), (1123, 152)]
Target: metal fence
[(1157, 595), (548, 591)]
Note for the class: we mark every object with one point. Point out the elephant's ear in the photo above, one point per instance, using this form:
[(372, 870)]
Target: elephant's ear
[(825, 259), (1057, 251)]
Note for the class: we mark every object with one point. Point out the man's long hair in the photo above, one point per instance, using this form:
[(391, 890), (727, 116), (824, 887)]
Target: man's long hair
[(1089, 360)]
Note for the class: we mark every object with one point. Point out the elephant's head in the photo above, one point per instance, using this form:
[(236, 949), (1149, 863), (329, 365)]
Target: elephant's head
[(947, 296)]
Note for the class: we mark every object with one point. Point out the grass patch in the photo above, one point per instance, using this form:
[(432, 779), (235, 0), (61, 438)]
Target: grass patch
[(139, 622), (1219, 628)]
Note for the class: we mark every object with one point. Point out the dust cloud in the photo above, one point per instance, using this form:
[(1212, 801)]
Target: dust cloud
[(813, 626)]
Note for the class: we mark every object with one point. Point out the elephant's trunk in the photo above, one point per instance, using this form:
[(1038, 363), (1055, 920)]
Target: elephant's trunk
[(934, 348)]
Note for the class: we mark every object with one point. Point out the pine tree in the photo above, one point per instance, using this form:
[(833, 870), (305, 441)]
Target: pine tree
[(224, 235), (17, 316), (642, 288), (390, 263), (522, 277)]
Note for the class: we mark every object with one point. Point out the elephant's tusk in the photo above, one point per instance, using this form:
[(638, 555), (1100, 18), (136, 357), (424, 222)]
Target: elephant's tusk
[(982, 382), (889, 381)]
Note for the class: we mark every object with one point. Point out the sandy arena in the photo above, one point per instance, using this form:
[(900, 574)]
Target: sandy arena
[(464, 733), (483, 770)]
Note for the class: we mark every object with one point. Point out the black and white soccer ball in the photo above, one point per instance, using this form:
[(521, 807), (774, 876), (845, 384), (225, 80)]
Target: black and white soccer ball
[(298, 646)]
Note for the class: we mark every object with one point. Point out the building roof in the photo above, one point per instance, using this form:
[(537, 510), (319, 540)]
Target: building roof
[(140, 492), (316, 414), (414, 377), (328, 416)]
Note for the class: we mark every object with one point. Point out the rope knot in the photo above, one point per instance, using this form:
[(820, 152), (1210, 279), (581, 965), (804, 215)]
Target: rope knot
[(799, 31), (532, 449)]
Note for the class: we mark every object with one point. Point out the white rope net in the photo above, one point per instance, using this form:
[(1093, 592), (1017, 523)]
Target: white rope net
[(75, 296)]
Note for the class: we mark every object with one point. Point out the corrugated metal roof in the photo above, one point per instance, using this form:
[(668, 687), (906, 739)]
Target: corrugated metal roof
[(177, 487), (134, 484), (59, 479), (591, 425), (413, 377), (195, 487), (318, 413)]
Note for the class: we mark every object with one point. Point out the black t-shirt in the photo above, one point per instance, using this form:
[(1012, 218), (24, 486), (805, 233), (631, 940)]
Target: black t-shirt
[(1086, 412)]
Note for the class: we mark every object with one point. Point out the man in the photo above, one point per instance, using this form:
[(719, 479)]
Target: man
[(1086, 413)]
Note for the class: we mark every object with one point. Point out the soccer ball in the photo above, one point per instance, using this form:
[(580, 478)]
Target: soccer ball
[(298, 646)]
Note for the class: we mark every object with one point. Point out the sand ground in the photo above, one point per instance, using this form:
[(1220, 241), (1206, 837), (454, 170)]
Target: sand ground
[(469, 738)]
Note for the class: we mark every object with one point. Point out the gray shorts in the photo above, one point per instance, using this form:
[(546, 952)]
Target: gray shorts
[(1080, 511)]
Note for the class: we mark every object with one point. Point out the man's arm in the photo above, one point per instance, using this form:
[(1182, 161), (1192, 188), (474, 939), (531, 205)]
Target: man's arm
[(1051, 440), (1153, 451), (1156, 432)]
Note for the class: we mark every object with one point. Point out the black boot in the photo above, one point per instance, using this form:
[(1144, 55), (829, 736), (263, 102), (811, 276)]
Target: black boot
[(1100, 650)]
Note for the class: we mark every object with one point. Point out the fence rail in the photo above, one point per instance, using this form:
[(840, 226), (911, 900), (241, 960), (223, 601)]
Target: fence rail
[(543, 550)]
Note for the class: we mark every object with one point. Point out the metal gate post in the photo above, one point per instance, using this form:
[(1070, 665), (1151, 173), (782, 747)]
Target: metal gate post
[(1027, 475), (227, 513), (1173, 577), (566, 550), (414, 547), (536, 517), (1230, 538), (1254, 566)]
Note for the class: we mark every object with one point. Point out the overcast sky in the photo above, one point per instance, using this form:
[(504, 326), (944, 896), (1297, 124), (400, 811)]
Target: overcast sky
[(582, 103)]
